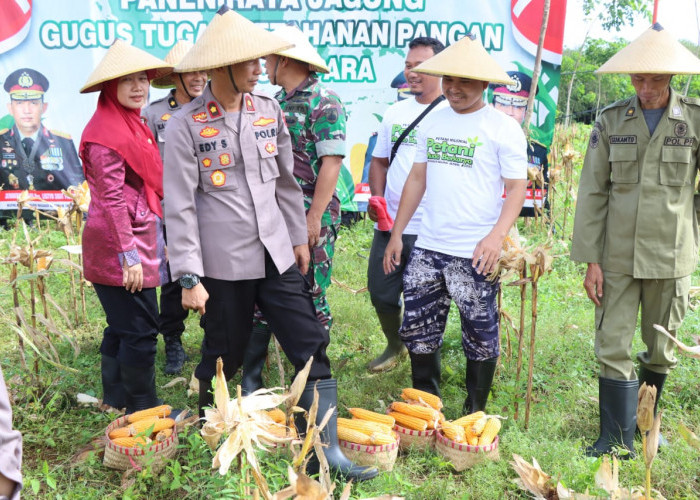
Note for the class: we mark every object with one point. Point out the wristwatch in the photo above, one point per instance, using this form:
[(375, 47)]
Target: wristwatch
[(189, 281)]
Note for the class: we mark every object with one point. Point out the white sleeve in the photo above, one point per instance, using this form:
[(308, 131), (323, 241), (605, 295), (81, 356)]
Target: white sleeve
[(512, 150), (382, 148), (421, 155)]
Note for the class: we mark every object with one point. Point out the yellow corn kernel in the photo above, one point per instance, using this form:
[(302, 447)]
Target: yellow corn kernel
[(363, 425), (411, 394), (277, 415), (490, 431), (468, 420), (471, 438), (157, 411), (164, 434), (120, 432), (372, 416), (479, 425), (453, 432), (158, 424), (409, 422), (430, 415), (381, 438), (353, 436), (132, 442)]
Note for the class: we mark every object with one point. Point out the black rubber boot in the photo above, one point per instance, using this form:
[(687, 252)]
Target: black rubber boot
[(112, 388), (425, 372), (254, 359), (175, 355), (337, 461), (206, 396), (139, 387), (618, 417), (658, 380), (478, 381), (395, 348)]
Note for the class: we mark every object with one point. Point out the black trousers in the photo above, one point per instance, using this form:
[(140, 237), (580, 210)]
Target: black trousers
[(172, 315), (284, 299), (132, 324)]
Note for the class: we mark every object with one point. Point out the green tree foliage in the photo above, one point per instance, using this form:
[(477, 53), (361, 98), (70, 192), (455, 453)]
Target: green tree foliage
[(614, 14)]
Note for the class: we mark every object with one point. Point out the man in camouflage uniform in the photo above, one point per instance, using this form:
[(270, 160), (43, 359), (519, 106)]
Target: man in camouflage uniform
[(316, 120), (636, 226), (187, 86)]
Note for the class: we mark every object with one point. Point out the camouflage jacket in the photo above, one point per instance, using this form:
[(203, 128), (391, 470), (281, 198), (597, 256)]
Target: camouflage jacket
[(316, 120)]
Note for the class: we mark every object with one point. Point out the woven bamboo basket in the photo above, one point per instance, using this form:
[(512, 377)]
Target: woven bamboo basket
[(419, 440), (463, 456), (123, 458), (383, 457)]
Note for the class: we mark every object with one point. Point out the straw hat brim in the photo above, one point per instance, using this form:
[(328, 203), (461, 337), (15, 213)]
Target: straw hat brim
[(303, 50), (654, 51), (123, 59), (466, 58), (173, 58), (229, 39)]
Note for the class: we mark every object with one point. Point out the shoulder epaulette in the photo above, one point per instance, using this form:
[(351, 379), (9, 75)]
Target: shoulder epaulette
[(618, 104), (691, 100), (4, 131), (533, 141), (61, 134), (260, 93)]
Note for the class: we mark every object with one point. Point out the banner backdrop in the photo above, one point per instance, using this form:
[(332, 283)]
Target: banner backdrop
[(364, 42)]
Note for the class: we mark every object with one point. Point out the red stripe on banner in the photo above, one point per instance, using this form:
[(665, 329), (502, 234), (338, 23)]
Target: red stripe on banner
[(526, 19)]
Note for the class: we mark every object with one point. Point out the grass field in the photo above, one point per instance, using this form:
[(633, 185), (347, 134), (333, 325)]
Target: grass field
[(563, 417)]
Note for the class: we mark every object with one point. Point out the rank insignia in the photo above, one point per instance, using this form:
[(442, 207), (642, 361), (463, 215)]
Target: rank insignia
[(214, 110), (630, 111), (224, 159), (209, 132), (676, 111), (218, 178), (172, 103), (262, 121), (270, 148), (206, 162), (166, 117), (681, 129), (249, 103), (200, 117)]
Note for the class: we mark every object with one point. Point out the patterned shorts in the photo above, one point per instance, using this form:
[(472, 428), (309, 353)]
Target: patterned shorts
[(431, 281)]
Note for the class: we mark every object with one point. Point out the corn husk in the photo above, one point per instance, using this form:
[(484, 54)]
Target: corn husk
[(645, 407)]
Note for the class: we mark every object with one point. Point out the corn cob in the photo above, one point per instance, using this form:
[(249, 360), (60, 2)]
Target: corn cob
[(430, 415), (158, 424), (164, 434), (490, 430), (353, 436), (132, 442), (364, 425), (158, 411), (277, 415), (279, 430), (472, 439), (409, 422), (120, 432), (381, 438), (410, 394), (479, 425), (453, 432), (362, 414), (468, 420)]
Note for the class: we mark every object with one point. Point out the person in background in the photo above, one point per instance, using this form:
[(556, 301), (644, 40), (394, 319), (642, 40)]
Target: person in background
[(315, 117), (186, 86), (636, 226), (10, 449), (387, 178), (123, 247)]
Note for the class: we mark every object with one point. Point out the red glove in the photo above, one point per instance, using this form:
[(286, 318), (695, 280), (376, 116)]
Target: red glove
[(384, 220)]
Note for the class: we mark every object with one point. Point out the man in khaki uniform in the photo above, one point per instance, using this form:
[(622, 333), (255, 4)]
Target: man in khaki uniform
[(236, 224), (636, 225)]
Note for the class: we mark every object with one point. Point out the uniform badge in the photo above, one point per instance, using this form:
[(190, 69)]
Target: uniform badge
[(224, 159), (13, 180), (200, 117), (681, 129), (630, 111), (595, 139), (332, 115), (50, 177), (214, 110), (172, 102), (262, 121), (206, 162), (209, 132), (249, 103), (676, 111), (166, 117), (55, 151), (270, 148), (218, 178)]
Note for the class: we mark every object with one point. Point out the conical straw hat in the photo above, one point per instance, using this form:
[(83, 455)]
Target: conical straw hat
[(173, 58), (229, 39), (654, 51), (466, 58), (303, 50), (123, 59)]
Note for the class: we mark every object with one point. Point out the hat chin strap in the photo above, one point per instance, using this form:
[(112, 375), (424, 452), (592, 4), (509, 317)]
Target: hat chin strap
[(184, 87), (230, 76), (274, 73)]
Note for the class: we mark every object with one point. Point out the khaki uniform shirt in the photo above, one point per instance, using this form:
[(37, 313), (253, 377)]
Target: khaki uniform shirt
[(229, 189), (637, 209), (156, 116)]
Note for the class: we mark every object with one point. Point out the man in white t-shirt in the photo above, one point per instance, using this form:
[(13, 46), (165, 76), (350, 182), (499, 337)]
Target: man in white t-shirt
[(466, 154), (387, 180)]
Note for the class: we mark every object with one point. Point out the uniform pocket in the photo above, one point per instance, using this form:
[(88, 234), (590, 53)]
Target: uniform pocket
[(216, 172), (269, 169), (674, 169), (625, 168), (679, 303)]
